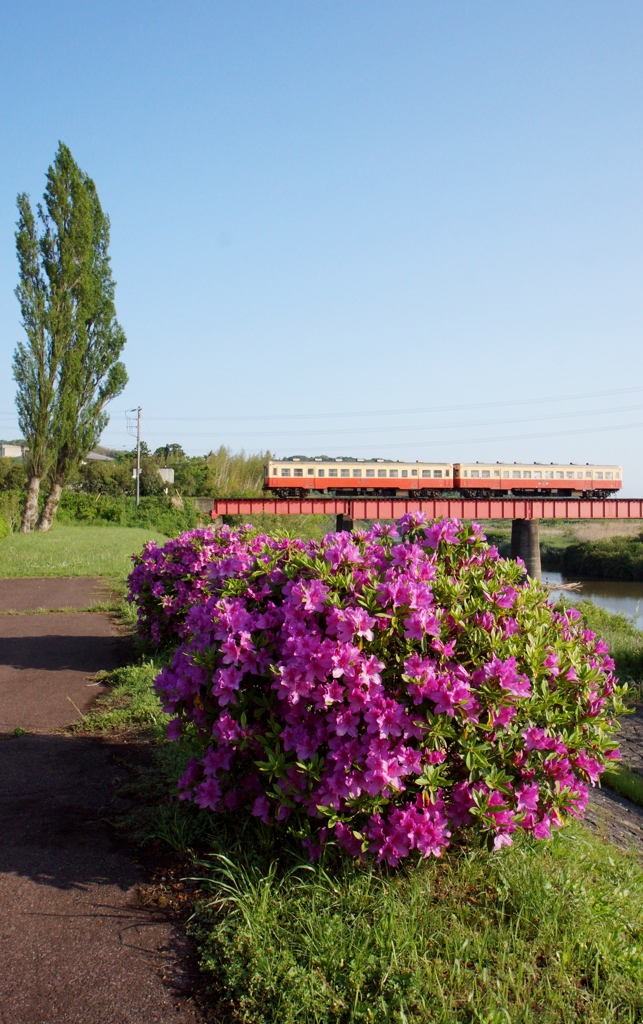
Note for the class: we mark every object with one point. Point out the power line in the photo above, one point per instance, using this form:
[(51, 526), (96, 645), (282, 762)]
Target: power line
[(415, 427), (396, 412)]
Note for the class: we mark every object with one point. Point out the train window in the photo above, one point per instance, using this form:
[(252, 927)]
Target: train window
[(426, 473), (466, 472), (505, 474), (344, 472), (381, 472), (588, 474), (579, 476), (370, 472), (298, 472), (405, 472), (549, 475), (414, 472), (538, 474), (486, 474), (496, 472), (392, 472), (516, 474), (332, 472), (599, 476), (609, 476), (321, 472), (437, 472), (475, 474), (310, 471), (560, 476), (527, 474), (285, 472), (618, 474), (357, 472), (570, 476)]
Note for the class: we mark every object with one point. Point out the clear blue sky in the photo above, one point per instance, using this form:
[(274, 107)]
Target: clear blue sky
[(333, 224)]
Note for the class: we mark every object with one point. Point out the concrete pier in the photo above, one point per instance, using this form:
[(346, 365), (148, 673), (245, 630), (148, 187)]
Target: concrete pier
[(343, 523), (525, 544)]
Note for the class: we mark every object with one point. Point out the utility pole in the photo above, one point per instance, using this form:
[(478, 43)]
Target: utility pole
[(138, 456)]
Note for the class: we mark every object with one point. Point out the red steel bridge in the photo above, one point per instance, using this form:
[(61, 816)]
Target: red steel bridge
[(393, 508), (525, 514)]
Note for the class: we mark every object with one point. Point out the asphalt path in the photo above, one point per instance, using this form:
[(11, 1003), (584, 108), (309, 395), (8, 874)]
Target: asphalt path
[(77, 945), (21, 595)]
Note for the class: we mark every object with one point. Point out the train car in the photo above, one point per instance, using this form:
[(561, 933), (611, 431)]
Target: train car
[(483, 479), (299, 477)]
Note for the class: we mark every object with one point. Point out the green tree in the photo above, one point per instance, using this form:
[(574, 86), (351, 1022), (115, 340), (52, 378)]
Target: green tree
[(70, 369), (35, 362)]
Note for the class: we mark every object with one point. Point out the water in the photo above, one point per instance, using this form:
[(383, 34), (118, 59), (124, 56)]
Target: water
[(615, 596)]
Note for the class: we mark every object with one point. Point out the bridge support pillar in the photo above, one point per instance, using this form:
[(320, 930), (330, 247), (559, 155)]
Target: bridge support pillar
[(525, 544), (343, 523)]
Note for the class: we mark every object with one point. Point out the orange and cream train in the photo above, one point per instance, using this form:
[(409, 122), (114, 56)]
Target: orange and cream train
[(299, 477)]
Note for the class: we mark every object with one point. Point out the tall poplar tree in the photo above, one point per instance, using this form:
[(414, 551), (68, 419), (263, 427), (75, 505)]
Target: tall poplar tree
[(69, 369)]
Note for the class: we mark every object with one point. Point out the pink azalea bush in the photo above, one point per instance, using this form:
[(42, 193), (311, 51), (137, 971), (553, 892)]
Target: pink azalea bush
[(385, 689), (166, 581)]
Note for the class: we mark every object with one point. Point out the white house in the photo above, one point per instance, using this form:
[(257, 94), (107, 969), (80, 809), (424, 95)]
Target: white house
[(10, 451)]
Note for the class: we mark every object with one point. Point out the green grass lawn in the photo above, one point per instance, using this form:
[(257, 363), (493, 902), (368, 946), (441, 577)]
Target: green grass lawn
[(73, 551)]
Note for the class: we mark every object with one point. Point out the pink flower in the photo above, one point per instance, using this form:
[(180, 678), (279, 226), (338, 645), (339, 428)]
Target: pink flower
[(527, 797), (261, 809)]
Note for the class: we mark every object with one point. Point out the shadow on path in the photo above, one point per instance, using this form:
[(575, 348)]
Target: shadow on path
[(76, 943), (45, 665)]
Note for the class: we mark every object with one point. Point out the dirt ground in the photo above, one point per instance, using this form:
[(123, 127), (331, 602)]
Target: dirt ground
[(77, 944)]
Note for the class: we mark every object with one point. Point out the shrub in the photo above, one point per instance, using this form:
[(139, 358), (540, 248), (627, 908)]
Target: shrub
[(11, 508), (167, 581), (386, 689), (5, 528), (617, 558), (155, 512)]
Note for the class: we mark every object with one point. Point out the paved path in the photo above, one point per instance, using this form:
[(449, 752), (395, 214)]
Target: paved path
[(46, 665), (76, 944), (20, 595)]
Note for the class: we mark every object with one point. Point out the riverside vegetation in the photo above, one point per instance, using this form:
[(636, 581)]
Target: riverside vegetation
[(539, 931)]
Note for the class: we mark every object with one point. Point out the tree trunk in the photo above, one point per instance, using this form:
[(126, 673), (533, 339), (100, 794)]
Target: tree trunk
[(30, 513), (50, 509)]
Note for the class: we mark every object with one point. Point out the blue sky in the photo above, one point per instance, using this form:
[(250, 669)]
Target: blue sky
[(408, 229)]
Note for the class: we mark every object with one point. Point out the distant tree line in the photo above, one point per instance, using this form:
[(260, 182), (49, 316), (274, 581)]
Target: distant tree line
[(217, 474), (67, 369)]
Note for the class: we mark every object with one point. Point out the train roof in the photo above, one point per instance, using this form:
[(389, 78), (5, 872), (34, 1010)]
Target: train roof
[(352, 458)]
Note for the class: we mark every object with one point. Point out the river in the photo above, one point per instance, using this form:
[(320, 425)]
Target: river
[(616, 596)]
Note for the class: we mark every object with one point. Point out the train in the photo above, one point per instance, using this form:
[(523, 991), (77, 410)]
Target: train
[(301, 477)]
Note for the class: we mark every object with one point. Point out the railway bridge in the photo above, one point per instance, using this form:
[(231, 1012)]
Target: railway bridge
[(524, 514)]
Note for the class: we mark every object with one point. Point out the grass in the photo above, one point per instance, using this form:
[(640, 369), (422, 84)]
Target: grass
[(308, 527), (129, 703), (537, 934), (625, 782), (73, 551)]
